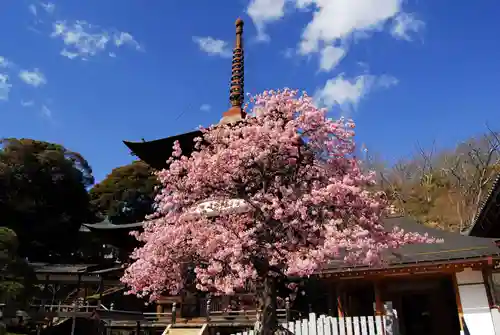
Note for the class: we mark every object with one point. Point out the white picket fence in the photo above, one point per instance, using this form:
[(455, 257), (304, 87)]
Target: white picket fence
[(328, 325)]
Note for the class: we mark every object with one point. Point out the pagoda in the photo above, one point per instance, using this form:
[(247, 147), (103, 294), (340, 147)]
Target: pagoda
[(156, 153)]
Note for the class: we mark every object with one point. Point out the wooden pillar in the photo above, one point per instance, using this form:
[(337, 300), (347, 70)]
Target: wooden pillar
[(78, 284), (331, 299), (338, 295), (225, 302), (379, 304), (138, 327), (174, 313), (488, 286), (159, 310), (208, 307), (85, 293), (44, 289), (458, 301), (100, 290), (287, 310)]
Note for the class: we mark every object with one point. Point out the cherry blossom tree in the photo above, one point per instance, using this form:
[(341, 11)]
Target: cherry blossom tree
[(279, 194)]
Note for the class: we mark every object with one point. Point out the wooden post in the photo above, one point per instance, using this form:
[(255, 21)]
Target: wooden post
[(138, 327), (174, 311), (75, 304), (287, 309), (331, 300), (209, 301), (85, 293), (458, 302), (487, 279), (44, 289), (340, 308), (379, 305), (101, 290), (159, 310)]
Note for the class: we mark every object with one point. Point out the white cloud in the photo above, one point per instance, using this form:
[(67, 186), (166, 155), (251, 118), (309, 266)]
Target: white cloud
[(347, 93), (27, 103), (330, 57), (404, 24), (84, 40), (339, 20), (123, 38), (46, 112), (333, 26), (205, 108), (34, 78), (5, 87), (32, 8), (331, 20), (263, 12), (289, 52), (68, 54), (386, 81), (212, 46), (49, 7), (5, 63)]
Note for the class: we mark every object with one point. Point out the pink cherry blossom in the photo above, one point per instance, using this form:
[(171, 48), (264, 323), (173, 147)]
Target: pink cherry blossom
[(288, 197)]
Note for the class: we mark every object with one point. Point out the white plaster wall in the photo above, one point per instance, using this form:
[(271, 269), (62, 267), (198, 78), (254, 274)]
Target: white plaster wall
[(475, 306), (495, 315)]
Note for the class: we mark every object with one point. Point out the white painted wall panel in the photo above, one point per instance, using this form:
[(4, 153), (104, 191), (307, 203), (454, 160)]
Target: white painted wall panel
[(495, 316), (475, 304)]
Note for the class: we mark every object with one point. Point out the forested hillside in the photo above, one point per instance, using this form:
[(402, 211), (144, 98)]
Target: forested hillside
[(442, 188)]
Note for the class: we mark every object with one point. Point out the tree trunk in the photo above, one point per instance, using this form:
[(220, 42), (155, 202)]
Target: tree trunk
[(269, 320)]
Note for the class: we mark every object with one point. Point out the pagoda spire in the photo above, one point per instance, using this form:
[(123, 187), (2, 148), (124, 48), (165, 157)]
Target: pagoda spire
[(236, 92)]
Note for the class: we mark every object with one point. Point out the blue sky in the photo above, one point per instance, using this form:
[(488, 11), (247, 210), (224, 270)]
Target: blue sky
[(89, 74)]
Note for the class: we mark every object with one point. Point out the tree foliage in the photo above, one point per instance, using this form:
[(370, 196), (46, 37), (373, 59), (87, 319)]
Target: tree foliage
[(127, 194), (43, 194), (16, 277), (274, 196)]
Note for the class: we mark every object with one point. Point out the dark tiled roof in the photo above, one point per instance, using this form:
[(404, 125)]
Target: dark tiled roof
[(107, 225), (454, 247), (108, 270), (155, 153), (61, 268), (477, 223), (95, 269)]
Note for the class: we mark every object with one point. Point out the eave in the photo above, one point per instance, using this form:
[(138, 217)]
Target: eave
[(488, 213), (156, 153)]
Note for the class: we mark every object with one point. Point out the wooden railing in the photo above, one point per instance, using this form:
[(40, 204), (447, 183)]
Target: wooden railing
[(64, 308), (235, 317)]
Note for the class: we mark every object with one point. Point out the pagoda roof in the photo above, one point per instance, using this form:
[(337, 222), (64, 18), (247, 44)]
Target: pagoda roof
[(107, 225), (94, 269), (487, 221), (156, 153), (62, 268)]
